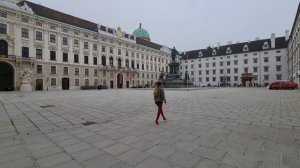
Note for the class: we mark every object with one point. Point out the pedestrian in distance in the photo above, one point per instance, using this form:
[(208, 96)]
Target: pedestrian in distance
[(159, 98)]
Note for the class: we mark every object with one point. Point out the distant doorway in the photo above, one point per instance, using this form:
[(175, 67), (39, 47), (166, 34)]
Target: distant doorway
[(65, 83), (6, 77), (120, 80), (111, 84), (39, 84), (127, 84)]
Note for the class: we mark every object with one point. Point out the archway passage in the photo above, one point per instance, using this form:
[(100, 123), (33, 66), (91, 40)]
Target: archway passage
[(65, 83), (6, 77), (120, 80), (3, 47)]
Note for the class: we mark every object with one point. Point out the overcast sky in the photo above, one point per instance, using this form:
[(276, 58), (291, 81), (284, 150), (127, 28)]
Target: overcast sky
[(187, 24)]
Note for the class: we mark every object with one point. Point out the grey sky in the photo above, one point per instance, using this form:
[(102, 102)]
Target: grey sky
[(187, 24)]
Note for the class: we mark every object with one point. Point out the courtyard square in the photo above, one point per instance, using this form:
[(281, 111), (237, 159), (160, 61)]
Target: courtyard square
[(205, 128)]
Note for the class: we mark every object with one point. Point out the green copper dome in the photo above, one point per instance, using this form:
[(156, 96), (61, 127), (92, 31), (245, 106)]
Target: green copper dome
[(141, 33)]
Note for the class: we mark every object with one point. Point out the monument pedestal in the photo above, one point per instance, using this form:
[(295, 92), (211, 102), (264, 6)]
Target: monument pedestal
[(26, 88)]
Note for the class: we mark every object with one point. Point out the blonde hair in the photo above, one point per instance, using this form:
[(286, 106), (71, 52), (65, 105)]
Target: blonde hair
[(157, 88)]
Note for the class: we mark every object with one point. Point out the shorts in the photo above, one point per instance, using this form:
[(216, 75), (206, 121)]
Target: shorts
[(159, 104)]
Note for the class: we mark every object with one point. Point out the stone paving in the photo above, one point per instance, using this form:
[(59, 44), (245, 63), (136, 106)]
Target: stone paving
[(215, 128)]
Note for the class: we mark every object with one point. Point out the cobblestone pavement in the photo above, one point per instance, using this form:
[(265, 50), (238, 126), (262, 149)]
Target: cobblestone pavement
[(226, 128)]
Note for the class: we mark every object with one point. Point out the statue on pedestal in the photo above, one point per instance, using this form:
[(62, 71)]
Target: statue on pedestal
[(174, 52), (25, 78)]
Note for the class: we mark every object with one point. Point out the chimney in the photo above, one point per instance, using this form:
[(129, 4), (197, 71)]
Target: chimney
[(229, 42), (219, 45), (273, 40), (287, 34)]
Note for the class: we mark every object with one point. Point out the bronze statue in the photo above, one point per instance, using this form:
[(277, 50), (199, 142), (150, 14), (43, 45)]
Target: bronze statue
[(174, 52)]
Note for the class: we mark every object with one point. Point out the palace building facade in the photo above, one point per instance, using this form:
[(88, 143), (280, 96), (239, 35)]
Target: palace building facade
[(63, 52), (294, 50), (252, 63)]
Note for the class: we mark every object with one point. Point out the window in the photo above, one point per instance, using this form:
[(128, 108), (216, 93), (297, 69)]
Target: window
[(52, 27), (246, 48), (76, 82), (214, 71), (25, 20), (66, 71), (111, 61), (192, 66), (53, 70), (236, 78), (278, 58), (3, 28), (52, 55), (65, 30), (86, 82), (221, 71), (111, 50), (103, 48), (95, 61), (95, 72), (214, 64), (52, 38), (200, 79), (245, 61), (245, 70), (86, 60), (255, 60), (207, 65), (266, 59), (228, 71), (278, 51), (95, 47), (207, 72), (126, 53), (76, 33), (266, 69), (221, 63), (65, 57), (65, 41), (38, 36), (278, 67), (132, 64), (266, 77), (39, 69), (77, 71), (207, 79), (254, 69), (255, 77), (127, 63), (236, 62), (39, 53), (143, 67), (25, 52), (86, 45), (76, 58), (40, 24), (119, 51), (279, 77), (200, 72), (3, 14), (214, 79), (24, 33), (86, 72), (53, 81), (200, 65), (76, 43), (236, 70), (228, 63), (265, 53)]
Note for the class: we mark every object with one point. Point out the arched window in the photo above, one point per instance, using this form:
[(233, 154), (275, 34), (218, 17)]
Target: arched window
[(132, 63), (266, 45), (127, 63), (200, 54), (228, 50), (119, 63), (246, 48), (103, 59), (3, 47), (214, 52), (111, 61)]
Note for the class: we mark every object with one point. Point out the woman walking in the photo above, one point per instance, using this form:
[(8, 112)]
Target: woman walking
[(159, 98)]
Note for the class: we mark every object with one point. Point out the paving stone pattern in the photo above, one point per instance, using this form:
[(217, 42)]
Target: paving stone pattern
[(206, 128)]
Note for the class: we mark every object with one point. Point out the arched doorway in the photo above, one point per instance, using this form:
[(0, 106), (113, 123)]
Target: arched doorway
[(120, 80), (6, 77), (65, 83), (3, 47)]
